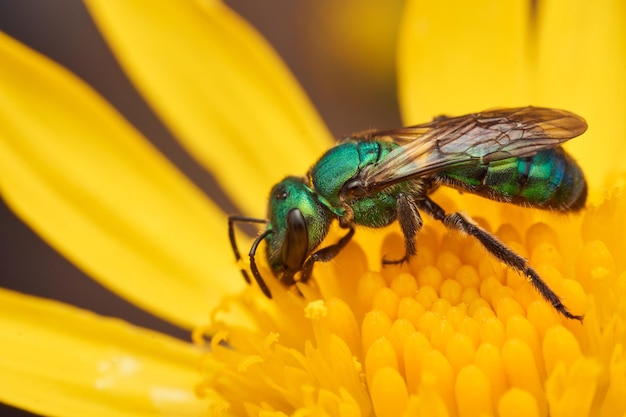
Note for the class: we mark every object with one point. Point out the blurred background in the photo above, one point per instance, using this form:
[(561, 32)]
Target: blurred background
[(343, 54)]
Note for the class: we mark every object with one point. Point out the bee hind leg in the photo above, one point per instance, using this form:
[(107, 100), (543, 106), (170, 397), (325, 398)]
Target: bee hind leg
[(410, 223), (498, 249)]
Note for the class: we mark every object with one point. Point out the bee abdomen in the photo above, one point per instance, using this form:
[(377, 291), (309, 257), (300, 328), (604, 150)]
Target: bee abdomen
[(550, 179), (571, 193)]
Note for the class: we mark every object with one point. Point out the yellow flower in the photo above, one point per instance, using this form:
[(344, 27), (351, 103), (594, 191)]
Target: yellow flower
[(454, 333)]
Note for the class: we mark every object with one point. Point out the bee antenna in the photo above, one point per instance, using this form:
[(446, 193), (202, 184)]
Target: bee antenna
[(255, 271)]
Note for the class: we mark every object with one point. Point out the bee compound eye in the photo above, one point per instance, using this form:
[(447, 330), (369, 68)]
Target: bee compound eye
[(296, 244)]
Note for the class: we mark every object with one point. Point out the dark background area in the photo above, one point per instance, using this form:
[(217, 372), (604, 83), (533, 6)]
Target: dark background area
[(352, 92)]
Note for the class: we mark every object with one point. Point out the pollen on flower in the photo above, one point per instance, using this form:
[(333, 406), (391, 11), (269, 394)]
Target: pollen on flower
[(454, 332), (315, 310)]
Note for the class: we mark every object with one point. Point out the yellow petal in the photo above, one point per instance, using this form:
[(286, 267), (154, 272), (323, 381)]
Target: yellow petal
[(60, 361), (91, 186), (456, 57), (582, 67), (219, 87)]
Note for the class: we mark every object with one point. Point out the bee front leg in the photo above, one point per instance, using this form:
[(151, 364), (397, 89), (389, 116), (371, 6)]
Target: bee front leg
[(410, 223), (498, 249), (324, 255), (233, 242)]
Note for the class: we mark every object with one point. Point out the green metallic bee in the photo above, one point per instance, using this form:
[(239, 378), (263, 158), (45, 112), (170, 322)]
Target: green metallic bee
[(373, 178)]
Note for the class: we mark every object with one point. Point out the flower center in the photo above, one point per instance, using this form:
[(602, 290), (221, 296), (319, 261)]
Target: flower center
[(452, 333)]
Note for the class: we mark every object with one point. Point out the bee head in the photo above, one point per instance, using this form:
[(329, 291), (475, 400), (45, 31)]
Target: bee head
[(298, 224)]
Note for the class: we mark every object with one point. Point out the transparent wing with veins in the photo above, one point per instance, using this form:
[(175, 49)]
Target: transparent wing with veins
[(478, 138)]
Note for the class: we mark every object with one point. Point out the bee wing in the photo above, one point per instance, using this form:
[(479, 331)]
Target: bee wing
[(478, 138)]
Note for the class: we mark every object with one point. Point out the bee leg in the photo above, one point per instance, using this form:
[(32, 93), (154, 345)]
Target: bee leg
[(498, 249), (255, 270), (233, 243), (324, 255), (410, 223)]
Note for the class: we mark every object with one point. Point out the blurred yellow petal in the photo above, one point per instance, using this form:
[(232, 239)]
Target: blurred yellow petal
[(219, 87), (61, 361), (582, 67), (456, 58), (90, 185)]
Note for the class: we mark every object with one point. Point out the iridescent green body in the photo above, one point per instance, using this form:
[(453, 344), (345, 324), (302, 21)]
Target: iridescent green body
[(550, 179), (375, 178), (342, 163)]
